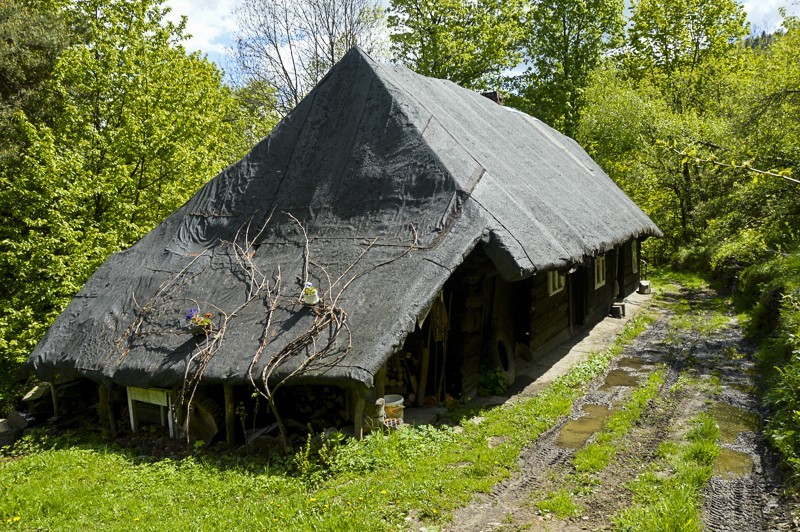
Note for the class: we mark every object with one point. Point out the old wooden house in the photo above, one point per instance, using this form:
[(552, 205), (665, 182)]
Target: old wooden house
[(441, 233)]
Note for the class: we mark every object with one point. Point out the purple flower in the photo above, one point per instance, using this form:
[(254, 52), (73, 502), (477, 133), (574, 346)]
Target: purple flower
[(192, 313)]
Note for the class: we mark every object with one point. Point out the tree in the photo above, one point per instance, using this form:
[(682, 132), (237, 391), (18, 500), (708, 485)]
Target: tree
[(674, 42), (469, 43), (707, 143), (284, 47), (135, 125), (33, 37), (564, 41)]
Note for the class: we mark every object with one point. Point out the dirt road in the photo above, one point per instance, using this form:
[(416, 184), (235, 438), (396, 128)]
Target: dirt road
[(703, 365)]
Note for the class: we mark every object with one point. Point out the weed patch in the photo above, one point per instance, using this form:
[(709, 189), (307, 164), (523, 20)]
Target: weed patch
[(602, 450), (331, 483), (667, 496), (560, 503)]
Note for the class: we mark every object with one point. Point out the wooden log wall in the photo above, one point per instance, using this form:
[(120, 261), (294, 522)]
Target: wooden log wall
[(631, 283), (549, 314), (599, 299)]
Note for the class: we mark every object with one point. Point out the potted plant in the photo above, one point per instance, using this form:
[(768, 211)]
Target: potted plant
[(199, 323), (310, 295)]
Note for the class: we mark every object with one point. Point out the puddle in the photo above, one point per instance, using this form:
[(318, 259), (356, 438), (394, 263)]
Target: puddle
[(618, 377), (733, 420), (635, 364), (732, 464), (575, 433)]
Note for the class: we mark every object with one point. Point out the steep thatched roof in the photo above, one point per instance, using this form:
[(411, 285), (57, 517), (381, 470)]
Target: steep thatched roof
[(395, 177)]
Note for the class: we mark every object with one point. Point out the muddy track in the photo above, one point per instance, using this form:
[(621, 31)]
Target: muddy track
[(743, 494)]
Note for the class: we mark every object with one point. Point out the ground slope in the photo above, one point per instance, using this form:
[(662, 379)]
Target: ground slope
[(695, 362)]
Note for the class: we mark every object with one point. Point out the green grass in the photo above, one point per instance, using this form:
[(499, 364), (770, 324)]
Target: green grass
[(667, 496), (665, 279), (329, 484), (559, 503), (597, 455), (707, 316)]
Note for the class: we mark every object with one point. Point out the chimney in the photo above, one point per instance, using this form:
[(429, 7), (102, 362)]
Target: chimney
[(495, 96)]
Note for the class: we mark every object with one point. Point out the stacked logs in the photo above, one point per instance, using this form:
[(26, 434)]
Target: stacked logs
[(401, 375), (315, 402)]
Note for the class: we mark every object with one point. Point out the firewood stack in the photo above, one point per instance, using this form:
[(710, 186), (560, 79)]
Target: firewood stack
[(315, 402), (401, 378)]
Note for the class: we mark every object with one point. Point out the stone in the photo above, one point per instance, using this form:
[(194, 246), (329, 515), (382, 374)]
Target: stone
[(644, 287), (17, 420), (37, 392), (8, 434)]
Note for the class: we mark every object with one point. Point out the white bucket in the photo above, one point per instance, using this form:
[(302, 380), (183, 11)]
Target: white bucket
[(393, 406)]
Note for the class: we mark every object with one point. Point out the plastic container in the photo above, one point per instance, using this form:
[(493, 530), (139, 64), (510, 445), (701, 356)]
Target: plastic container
[(393, 406)]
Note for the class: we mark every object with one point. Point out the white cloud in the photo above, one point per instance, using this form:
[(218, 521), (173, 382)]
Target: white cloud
[(763, 14), (211, 24)]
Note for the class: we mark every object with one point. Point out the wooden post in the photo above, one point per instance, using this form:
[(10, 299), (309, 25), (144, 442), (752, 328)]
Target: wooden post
[(102, 404), (380, 381), (230, 425), (131, 410), (570, 310), (176, 414), (112, 417), (55, 399), (170, 418), (358, 415), (423, 374)]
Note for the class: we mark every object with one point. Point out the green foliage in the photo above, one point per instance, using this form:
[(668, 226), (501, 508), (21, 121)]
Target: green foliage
[(693, 125), (469, 43), (762, 286), (671, 40), (776, 317), (135, 125), (33, 39), (564, 41), (491, 380), (560, 503)]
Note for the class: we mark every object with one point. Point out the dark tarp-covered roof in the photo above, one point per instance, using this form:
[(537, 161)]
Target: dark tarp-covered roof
[(395, 177)]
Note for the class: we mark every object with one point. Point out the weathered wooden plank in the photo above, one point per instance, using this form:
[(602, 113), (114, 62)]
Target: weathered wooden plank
[(230, 424)]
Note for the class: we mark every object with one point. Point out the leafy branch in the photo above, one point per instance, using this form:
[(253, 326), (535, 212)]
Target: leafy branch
[(691, 154)]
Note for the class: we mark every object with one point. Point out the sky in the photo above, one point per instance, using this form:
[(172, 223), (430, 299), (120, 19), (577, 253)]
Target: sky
[(212, 22)]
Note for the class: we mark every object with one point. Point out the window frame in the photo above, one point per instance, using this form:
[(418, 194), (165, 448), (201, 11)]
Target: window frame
[(599, 271), (556, 282)]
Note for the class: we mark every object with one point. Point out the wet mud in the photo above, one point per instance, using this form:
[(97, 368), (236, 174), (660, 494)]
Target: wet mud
[(744, 494)]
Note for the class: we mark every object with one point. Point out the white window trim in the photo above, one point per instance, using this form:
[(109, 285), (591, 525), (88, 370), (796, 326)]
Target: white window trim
[(635, 256), (556, 281), (599, 271)]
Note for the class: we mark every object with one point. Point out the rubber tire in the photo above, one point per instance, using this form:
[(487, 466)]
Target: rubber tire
[(501, 355)]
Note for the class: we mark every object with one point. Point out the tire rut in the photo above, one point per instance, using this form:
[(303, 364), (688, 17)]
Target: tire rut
[(721, 367)]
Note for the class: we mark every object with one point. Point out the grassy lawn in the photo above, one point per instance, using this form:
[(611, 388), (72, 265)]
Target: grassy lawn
[(74, 482)]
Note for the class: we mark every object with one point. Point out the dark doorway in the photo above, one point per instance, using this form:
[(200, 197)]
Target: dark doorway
[(577, 296), (621, 271)]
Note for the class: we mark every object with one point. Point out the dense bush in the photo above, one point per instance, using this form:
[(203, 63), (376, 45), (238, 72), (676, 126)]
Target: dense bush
[(774, 289)]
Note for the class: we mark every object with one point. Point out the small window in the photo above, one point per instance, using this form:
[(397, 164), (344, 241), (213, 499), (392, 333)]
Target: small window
[(556, 281), (599, 271), (635, 256)]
